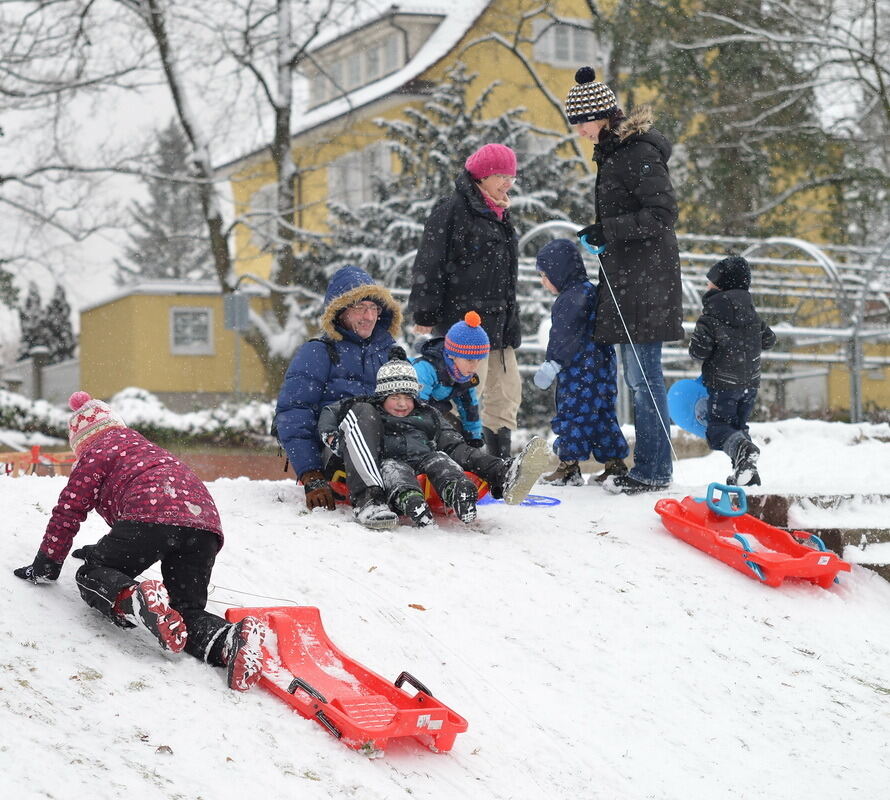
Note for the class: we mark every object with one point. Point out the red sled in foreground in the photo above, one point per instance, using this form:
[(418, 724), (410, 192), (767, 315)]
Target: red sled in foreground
[(363, 710), (723, 529)]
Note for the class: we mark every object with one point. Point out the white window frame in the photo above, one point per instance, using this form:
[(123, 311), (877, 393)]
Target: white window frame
[(195, 348), (351, 177), (583, 45)]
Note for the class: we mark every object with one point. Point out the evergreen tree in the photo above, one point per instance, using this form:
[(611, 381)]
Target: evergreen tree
[(431, 144), (739, 109), (31, 321), (169, 239), (57, 320)]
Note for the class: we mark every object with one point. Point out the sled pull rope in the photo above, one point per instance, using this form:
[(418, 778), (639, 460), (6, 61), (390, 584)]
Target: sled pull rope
[(596, 252)]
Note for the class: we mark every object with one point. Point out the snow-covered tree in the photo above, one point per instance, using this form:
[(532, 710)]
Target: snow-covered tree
[(168, 234), (431, 144), (46, 326), (57, 321), (33, 331)]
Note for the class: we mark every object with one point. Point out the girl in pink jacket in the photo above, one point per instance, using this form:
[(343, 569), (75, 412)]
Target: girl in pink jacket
[(158, 510)]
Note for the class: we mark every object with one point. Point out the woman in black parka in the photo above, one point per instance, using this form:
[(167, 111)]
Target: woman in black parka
[(640, 297), (468, 259)]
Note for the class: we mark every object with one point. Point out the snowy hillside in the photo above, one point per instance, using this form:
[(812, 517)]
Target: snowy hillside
[(593, 654)]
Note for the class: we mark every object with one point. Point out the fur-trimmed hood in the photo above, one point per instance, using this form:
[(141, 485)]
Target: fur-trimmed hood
[(638, 123), (350, 285)]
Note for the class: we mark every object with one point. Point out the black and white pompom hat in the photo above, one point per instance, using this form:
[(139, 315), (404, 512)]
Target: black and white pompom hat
[(397, 377), (589, 99)]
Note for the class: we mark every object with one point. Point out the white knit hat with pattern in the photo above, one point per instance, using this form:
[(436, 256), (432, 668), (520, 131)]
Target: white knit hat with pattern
[(397, 377), (90, 418)]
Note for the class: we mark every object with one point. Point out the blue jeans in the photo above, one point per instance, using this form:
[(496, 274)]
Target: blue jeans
[(728, 413), (652, 448)]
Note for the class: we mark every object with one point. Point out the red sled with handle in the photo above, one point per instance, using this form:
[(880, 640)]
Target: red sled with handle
[(362, 709), (719, 525)]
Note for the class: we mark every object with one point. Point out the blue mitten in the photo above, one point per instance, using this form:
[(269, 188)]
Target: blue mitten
[(546, 373)]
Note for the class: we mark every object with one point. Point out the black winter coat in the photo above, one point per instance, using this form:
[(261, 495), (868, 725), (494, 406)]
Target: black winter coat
[(729, 337), (468, 260), (637, 207), (422, 432)]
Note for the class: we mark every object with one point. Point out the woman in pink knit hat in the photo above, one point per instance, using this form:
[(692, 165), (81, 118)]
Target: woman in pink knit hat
[(468, 259), (158, 510)]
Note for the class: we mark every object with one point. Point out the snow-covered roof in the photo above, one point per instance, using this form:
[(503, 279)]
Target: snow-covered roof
[(457, 18), (168, 287)]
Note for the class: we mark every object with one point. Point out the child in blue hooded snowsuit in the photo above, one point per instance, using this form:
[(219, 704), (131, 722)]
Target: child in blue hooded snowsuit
[(446, 369), (585, 371)]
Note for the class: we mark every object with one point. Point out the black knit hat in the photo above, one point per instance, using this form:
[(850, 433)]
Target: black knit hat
[(731, 273), (589, 99)]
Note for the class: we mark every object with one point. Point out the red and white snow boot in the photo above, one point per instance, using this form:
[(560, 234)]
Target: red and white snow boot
[(244, 653), (147, 605)]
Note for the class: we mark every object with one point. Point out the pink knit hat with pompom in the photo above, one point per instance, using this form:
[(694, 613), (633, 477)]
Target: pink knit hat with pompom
[(90, 417), (491, 159)]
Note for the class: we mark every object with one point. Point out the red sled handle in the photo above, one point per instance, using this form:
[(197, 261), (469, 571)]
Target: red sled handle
[(407, 677)]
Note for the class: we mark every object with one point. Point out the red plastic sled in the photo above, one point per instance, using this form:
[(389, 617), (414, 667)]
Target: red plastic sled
[(338, 483), (722, 529), (363, 710)]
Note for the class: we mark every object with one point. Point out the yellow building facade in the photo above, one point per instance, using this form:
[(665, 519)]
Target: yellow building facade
[(169, 338), (336, 135)]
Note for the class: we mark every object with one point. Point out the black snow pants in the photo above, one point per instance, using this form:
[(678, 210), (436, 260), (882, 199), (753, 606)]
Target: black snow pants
[(186, 555), (361, 446)]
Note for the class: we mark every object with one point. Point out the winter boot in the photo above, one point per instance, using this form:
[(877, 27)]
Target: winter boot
[(568, 473), (461, 497), (412, 505), (147, 605), (498, 444), (625, 484), (243, 653), (372, 510), (744, 465), (523, 470), (614, 466)]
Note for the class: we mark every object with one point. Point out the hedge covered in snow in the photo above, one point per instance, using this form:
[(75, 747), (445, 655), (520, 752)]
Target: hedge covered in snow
[(229, 423)]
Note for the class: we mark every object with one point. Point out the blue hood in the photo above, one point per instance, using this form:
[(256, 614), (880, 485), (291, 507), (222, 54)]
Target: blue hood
[(349, 285), (561, 262)]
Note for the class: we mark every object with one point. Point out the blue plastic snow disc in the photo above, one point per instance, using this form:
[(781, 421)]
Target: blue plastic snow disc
[(531, 500), (688, 405)]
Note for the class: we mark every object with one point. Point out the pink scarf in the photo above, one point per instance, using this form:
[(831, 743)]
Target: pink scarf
[(498, 206)]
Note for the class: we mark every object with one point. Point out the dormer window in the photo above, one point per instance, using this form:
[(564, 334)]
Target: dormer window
[(565, 43), (345, 70)]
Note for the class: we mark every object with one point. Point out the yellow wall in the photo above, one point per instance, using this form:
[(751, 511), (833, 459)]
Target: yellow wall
[(127, 343)]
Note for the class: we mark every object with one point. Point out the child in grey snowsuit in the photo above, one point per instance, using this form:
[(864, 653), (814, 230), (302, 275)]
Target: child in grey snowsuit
[(407, 438), (728, 338), (585, 371)]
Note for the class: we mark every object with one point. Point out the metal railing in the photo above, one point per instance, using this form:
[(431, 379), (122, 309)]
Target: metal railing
[(825, 302)]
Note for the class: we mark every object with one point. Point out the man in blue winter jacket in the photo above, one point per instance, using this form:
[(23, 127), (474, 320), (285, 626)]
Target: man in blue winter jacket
[(359, 323)]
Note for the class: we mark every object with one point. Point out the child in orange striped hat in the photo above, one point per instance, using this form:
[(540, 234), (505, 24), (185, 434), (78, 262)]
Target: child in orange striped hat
[(446, 369)]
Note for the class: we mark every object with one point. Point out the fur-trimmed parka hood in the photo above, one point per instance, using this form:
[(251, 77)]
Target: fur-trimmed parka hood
[(350, 285), (638, 123)]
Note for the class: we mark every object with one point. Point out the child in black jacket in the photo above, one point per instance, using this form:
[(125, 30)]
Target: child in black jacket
[(729, 337), (407, 438)]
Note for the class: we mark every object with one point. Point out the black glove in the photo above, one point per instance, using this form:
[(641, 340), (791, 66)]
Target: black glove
[(84, 552), (318, 491), (476, 442), (42, 570), (594, 234)]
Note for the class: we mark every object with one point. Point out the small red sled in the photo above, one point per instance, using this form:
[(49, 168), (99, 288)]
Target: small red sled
[(363, 710), (723, 529), (338, 484)]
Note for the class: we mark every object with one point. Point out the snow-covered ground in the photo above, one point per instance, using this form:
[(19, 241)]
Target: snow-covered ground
[(593, 654)]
